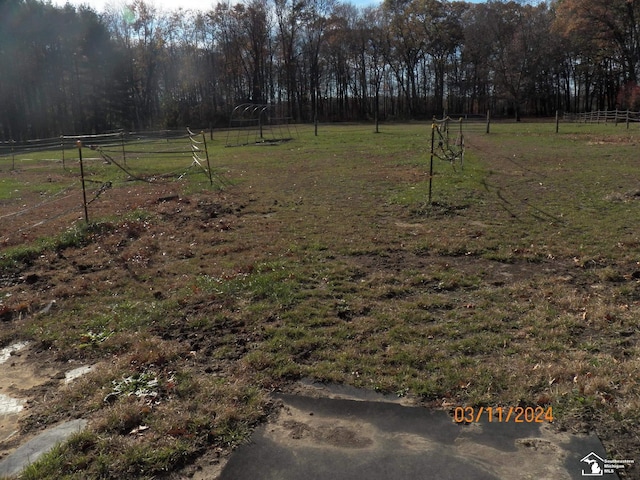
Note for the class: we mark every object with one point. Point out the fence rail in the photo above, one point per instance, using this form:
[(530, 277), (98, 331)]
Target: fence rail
[(13, 147), (604, 116)]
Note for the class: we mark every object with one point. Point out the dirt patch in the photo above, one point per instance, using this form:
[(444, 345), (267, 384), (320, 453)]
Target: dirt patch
[(26, 375), (325, 432), (492, 272)]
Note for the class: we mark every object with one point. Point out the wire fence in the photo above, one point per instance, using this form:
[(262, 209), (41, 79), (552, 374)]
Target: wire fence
[(257, 124), (43, 181), (59, 144), (447, 143), (54, 181)]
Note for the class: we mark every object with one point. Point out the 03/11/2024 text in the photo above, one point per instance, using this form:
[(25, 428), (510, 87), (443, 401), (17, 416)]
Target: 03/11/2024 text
[(503, 414)]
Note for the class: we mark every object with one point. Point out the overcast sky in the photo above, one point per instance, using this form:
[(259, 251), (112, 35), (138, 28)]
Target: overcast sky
[(169, 5)]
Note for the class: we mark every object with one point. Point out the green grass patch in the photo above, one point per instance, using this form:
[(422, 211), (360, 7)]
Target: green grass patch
[(517, 285)]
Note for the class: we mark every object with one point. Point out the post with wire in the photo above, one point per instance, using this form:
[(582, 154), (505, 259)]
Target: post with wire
[(195, 149), (206, 152), (444, 148), (84, 190), (433, 138)]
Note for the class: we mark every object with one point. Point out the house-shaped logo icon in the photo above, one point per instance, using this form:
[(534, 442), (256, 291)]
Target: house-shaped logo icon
[(594, 466)]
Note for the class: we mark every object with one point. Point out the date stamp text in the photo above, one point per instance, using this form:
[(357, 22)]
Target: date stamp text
[(503, 414)]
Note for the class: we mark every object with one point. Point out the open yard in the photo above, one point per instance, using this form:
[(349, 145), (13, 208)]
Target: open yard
[(320, 258)]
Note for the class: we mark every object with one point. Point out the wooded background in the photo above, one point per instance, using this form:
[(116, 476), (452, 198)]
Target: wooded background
[(76, 71)]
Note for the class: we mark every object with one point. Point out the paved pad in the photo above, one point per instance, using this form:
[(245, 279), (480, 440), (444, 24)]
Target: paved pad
[(318, 438), (36, 447)]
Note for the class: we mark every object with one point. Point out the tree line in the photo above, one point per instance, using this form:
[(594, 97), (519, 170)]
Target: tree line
[(73, 70)]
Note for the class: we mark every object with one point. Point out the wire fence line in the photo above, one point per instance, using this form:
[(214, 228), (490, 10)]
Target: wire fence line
[(53, 178), (116, 159), (13, 147), (251, 123)]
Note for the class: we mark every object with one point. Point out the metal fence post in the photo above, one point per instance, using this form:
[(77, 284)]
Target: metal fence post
[(84, 191)]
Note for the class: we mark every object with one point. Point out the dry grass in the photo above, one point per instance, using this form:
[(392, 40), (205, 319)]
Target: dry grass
[(519, 285)]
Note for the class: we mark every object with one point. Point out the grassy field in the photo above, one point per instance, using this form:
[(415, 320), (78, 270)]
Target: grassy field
[(321, 258)]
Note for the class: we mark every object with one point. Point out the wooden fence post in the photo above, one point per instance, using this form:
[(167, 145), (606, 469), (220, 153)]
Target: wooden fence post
[(488, 120)]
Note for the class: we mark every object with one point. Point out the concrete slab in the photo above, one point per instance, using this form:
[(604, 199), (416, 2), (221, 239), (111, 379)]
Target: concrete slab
[(10, 405), (6, 352), (318, 438), (76, 373), (37, 446)]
